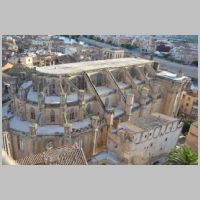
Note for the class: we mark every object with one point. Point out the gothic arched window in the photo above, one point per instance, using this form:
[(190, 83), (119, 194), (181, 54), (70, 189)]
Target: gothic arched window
[(71, 114), (89, 109), (52, 116), (53, 87), (99, 79), (32, 113), (106, 102), (40, 86)]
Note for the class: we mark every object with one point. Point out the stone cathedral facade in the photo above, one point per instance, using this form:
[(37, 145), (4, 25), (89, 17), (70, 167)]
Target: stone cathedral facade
[(84, 102)]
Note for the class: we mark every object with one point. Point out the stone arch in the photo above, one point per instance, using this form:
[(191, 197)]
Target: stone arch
[(89, 109), (118, 74), (79, 82), (133, 72), (45, 85), (97, 79)]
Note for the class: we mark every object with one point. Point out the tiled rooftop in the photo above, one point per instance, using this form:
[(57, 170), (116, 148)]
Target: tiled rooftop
[(58, 156)]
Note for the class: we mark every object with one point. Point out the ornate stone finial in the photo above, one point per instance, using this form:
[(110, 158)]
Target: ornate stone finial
[(21, 93), (41, 98), (110, 116), (33, 76), (46, 159), (63, 98), (130, 99), (95, 121), (67, 129), (144, 92), (19, 61), (13, 84), (146, 73), (129, 103), (156, 66), (180, 73), (155, 88), (33, 129), (81, 95)]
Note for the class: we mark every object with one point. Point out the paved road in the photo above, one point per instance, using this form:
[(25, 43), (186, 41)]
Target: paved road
[(174, 67), (164, 64)]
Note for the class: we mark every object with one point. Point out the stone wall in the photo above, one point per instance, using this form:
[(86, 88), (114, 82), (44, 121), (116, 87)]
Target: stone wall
[(142, 147), (24, 144)]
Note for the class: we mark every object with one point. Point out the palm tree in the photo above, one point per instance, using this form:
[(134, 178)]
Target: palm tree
[(182, 156)]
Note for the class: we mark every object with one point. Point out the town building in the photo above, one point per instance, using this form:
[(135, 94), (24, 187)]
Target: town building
[(192, 137), (145, 140), (189, 103), (184, 54), (83, 102), (7, 66), (27, 60), (112, 53), (58, 156)]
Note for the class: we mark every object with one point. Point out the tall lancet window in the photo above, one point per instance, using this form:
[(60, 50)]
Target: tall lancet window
[(52, 116), (32, 113)]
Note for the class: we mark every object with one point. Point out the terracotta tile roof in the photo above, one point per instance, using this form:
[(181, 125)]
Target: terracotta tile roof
[(7, 67), (58, 156)]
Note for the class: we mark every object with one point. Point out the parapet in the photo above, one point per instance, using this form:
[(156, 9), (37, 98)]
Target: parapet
[(145, 129)]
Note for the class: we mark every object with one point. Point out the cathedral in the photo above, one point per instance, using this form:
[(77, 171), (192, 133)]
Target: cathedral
[(127, 106)]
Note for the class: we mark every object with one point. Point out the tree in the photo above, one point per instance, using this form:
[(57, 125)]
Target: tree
[(91, 36), (182, 156), (187, 122), (129, 46), (195, 63)]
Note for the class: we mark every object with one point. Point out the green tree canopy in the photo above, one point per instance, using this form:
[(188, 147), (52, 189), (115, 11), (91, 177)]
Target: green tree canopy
[(182, 156), (187, 122)]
